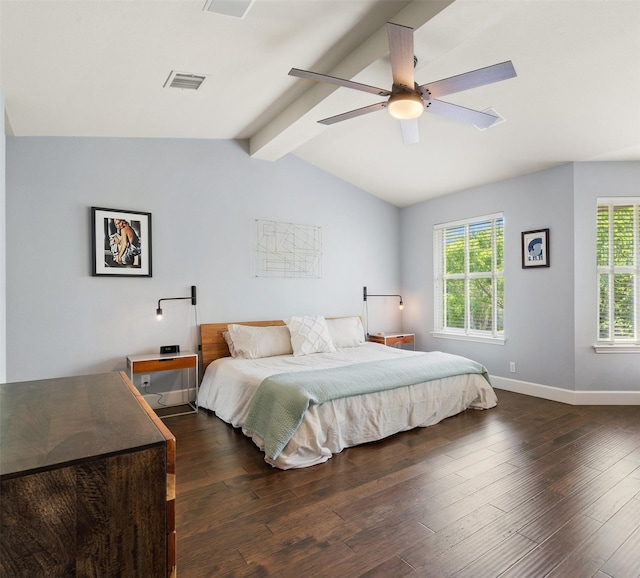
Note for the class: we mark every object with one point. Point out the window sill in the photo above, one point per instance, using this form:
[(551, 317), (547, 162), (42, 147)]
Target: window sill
[(467, 337), (617, 348)]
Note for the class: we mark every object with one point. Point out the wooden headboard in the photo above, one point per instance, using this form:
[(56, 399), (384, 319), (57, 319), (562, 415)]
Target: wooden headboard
[(213, 344)]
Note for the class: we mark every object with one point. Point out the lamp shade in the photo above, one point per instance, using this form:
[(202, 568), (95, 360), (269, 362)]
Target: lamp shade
[(405, 105)]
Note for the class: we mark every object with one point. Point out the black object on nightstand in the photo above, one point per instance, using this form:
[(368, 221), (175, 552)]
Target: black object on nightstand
[(169, 349)]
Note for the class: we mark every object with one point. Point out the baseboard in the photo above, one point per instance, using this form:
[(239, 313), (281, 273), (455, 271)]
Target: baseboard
[(569, 396), (169, 398)]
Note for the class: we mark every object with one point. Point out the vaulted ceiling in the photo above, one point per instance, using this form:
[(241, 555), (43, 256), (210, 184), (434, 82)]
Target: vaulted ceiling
[(98, 68)]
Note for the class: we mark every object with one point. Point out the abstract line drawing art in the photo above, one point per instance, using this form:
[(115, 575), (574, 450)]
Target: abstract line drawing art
[(288, 250)]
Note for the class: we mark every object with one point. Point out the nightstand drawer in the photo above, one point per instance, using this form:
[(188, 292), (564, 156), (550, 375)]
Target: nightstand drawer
[(399, 339), (163, 364), (394, 339)]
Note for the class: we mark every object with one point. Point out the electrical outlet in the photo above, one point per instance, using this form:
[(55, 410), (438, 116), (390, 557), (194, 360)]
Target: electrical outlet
[(512, 366), (145, 380)]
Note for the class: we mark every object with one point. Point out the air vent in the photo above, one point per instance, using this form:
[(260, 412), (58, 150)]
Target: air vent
[(494, 113), (235, 8), (184, 80)]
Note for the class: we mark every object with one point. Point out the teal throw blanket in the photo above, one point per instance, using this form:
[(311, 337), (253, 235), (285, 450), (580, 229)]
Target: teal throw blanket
[(280, 402)]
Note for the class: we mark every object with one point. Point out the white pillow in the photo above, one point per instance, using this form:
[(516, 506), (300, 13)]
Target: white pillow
[(309, 334), (229, 341), (256, 342), (346, 331)]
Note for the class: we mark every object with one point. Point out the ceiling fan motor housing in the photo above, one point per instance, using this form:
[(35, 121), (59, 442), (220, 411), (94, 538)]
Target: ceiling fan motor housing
[(405, 104)]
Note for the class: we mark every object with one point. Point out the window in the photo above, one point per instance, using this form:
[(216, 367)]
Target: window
[(468, 271), (618, 266)]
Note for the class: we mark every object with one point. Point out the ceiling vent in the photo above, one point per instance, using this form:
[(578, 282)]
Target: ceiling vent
[(494, 113), (235, 8), (184, 80)]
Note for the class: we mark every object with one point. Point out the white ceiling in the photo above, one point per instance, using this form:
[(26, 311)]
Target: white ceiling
[(97, 68)]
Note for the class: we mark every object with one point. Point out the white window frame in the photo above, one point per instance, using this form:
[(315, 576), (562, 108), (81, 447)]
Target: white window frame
[(613, 344), (440, 331)]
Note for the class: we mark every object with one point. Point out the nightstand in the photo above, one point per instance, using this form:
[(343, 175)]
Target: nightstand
[(395, 339), (151, 363)]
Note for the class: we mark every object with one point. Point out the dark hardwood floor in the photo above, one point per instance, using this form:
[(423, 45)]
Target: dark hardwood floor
[(529, 488)]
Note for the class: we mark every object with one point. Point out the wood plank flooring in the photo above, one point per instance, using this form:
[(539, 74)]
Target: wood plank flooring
[(529, 488)]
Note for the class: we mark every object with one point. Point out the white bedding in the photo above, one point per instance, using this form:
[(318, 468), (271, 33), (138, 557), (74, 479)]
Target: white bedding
[(229, 384)]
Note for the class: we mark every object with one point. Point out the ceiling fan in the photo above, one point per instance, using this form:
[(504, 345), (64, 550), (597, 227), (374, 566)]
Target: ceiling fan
[(407, 101)]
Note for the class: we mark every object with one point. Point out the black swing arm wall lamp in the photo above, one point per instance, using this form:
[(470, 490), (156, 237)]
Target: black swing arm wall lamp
[(365, 295), (193, 301)]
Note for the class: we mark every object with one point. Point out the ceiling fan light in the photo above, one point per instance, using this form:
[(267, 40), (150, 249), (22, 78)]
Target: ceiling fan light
[(405, 105)]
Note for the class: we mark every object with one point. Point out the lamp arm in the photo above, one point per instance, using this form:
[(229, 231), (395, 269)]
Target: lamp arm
[(192, 298), (365, 295), (171, 299)]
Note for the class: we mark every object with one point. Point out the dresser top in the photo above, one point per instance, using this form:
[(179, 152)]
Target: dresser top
[(54, 423)]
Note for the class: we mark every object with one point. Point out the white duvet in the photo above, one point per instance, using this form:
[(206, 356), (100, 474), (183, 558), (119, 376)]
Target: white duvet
[(229, 384)]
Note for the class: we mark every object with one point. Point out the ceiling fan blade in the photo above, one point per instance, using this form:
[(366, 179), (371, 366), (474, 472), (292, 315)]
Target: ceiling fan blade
[(473, 79), (410, 131), (339, 81), (401, 53), (456, 112), (353, 113)]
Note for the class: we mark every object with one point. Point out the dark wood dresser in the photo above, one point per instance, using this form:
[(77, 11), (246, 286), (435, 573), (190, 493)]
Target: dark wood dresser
[(87, 480)]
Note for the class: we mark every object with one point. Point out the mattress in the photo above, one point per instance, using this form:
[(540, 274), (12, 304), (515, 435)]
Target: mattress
[(229, 384)]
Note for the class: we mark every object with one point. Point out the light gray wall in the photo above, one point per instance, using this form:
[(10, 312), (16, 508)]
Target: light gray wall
[(550, 313), (595, 372), (204, 197), (538, 302)]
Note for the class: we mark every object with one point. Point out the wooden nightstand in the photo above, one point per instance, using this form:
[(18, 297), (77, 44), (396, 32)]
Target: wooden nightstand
[(151, 363), (395, 339)]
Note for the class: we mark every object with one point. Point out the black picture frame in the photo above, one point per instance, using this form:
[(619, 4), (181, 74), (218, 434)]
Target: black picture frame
[(109, 258), (535, 249)]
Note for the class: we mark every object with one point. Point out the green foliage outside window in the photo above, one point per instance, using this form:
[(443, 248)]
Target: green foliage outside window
[(617, 259), (473, 286)]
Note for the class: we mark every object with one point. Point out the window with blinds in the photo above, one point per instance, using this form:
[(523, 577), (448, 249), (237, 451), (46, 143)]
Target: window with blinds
[(618, 267), (468, 259)]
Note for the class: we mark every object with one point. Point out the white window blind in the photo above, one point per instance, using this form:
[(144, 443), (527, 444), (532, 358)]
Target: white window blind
[(618, 269), (468, 271)]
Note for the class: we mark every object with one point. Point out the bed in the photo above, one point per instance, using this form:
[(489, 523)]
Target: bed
[(308, 388)]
